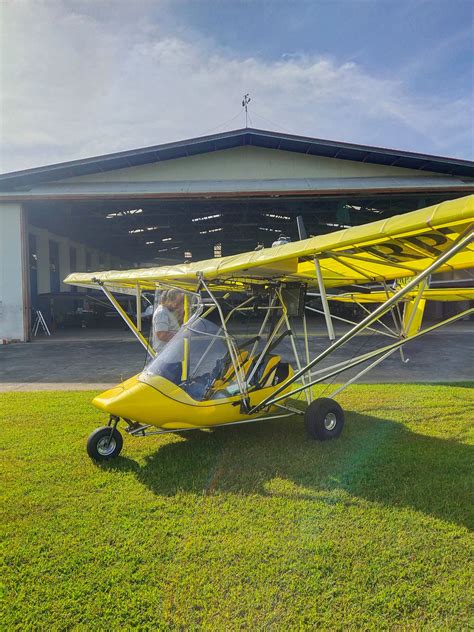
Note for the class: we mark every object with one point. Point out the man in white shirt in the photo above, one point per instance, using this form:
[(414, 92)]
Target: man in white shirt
[(167, 318)]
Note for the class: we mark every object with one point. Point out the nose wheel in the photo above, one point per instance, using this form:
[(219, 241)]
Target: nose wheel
[(324, 419), (104, 443)]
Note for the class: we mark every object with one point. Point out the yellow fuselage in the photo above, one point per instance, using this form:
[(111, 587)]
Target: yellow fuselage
[(160, 403)]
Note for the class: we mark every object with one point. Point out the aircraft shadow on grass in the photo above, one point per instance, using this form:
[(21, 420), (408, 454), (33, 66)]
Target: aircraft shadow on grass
[(375, 459)]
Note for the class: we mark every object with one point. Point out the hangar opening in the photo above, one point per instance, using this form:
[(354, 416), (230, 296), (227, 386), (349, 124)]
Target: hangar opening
[(197, 199)]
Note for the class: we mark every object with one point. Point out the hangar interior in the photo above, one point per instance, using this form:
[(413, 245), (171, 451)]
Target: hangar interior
[(196, 199)]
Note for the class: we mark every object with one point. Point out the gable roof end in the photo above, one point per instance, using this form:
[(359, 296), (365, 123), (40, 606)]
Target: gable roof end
[(229, 140)]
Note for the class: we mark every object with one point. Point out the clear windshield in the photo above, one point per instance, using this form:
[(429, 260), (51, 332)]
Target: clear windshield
[(194, 358)]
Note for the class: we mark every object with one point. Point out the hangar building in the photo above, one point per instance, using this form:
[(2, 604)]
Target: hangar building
[(197, 198)]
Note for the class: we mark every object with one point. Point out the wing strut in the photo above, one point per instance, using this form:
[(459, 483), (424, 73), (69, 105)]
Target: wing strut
[(129, 322), (458, 245), (348, 364), (324, 299)]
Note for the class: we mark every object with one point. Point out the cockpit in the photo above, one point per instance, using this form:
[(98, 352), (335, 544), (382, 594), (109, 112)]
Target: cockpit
[(208, 363)]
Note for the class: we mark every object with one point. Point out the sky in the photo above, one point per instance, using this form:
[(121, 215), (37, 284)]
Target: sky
[(81, 78)]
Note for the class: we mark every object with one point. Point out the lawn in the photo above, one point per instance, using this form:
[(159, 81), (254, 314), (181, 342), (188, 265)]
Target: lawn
[(252, 527)]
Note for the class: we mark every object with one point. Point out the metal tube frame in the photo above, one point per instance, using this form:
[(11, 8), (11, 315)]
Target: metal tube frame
[(380, 321), (351, 322), (324, 300), (361, 373), (139, 308), (456, 246), (264, 323), (423, 285), (141, 431), (293, 344), (348, 364), (125, 317), (211, 344), (271, 338), (230, 343), (306, 346)]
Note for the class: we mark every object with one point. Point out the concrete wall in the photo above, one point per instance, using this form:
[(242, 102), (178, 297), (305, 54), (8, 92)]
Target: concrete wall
[(12, 308)]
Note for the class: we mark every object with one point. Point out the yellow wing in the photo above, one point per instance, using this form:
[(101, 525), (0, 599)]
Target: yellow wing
[(430, 294), (397, 247)]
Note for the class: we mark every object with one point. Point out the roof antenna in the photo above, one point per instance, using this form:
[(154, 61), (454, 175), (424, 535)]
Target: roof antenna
[(245, 101)]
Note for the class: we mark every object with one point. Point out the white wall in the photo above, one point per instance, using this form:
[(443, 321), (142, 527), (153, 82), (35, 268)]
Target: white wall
[(43, 237), (14, 255), (12, 310)]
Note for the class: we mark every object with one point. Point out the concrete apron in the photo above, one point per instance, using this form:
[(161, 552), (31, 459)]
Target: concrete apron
[(444, 356)]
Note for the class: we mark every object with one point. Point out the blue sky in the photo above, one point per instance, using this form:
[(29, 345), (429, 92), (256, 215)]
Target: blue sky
[(83, 77)]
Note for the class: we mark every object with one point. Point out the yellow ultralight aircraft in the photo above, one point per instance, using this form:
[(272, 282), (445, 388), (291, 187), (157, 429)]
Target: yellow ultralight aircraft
[(205, 378)]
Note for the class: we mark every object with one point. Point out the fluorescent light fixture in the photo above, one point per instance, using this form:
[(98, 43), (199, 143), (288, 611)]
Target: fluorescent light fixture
[(148, 243), (275, 216), (337, 225), (211, 230), (202, 219), (134, 231), (167, 239), (269, 230), (134, 211)]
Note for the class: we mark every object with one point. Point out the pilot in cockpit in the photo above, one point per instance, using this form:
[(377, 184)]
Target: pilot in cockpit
[(167, 318)]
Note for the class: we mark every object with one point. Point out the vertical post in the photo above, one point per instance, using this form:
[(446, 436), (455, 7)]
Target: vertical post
[(139, 307), (306, 344), (324, 299), (185, 365), (293, 346)]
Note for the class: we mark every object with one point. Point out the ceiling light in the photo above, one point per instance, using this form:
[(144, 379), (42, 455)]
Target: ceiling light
[(275, 216), (211, 230), (337, 225), (134, 211), (201, 219)]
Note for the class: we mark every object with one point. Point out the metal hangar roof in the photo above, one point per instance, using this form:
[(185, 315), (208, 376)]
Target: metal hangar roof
[(237, 138)]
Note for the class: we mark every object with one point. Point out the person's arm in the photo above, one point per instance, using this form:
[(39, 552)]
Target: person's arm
[(161, 326), (164, 336)]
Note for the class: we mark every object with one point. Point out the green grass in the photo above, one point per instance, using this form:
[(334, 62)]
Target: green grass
[(252, 527)]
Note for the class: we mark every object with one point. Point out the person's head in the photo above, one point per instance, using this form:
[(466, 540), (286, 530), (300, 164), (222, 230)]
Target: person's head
[(173, 300)]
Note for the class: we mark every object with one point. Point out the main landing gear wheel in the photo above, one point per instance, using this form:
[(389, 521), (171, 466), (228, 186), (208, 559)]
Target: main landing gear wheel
[(324, 419), (104, 443)]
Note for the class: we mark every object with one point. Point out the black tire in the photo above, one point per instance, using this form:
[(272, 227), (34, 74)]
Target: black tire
[(104, 444), (324, 419)]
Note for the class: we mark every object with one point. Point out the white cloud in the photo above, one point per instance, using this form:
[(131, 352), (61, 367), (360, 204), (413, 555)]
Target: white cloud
[(90, 78)]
